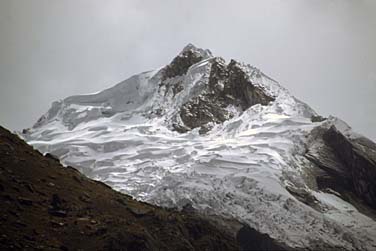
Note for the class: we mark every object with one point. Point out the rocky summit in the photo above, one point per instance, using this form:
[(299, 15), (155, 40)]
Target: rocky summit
[(222, 139)]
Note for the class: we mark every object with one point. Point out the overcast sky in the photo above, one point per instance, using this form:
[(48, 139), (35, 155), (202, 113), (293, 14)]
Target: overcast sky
[(323, 51)]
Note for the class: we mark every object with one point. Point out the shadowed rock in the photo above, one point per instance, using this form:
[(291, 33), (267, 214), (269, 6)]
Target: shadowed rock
[(181, 63), (228, 86), (359, 157), (346, 167), (249, 239)]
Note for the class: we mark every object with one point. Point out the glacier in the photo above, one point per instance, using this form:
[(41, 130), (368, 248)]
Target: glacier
[(243, 168)]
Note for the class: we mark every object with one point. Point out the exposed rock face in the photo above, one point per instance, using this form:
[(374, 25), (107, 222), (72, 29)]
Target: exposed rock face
[(228, 86), (332, 173), (317, 118), (359, 157), (188, 57), (244, 92), (347, 166), (249, 239)]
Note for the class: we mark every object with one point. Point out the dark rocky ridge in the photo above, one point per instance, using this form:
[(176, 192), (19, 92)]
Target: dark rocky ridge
[(359, 157), (247, 234), (228, 85), (45, 206), (347, 167), (180, 64)]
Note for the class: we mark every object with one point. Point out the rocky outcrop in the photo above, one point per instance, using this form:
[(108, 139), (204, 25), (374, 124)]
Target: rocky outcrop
[(242, 89), (346, 166), (317, 118), (359, 157), (181, 63), (228, 85), (249, 239), (330, 171)]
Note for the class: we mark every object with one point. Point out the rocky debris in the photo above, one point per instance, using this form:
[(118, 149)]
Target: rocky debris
[(228, 86), (87, 215)]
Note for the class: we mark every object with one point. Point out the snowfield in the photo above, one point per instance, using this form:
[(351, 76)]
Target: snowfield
[(241, 168)]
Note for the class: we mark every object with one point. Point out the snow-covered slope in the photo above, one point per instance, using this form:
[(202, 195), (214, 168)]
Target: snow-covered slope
[(249, 163)]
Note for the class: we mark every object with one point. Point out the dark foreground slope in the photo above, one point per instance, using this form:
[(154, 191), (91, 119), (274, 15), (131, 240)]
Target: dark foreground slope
[(50, 207)]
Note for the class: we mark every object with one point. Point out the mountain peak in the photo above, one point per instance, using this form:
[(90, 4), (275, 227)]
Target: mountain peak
[(246, 147), (204, 53), (189, 56)]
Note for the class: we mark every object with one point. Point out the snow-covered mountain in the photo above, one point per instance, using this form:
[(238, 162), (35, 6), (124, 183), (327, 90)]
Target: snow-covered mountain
[(228, 140)]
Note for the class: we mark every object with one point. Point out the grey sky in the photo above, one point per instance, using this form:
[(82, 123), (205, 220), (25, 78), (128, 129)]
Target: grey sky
[(323, 51)]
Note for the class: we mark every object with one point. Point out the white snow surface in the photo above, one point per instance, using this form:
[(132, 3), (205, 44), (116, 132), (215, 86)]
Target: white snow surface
[(238, 169)]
